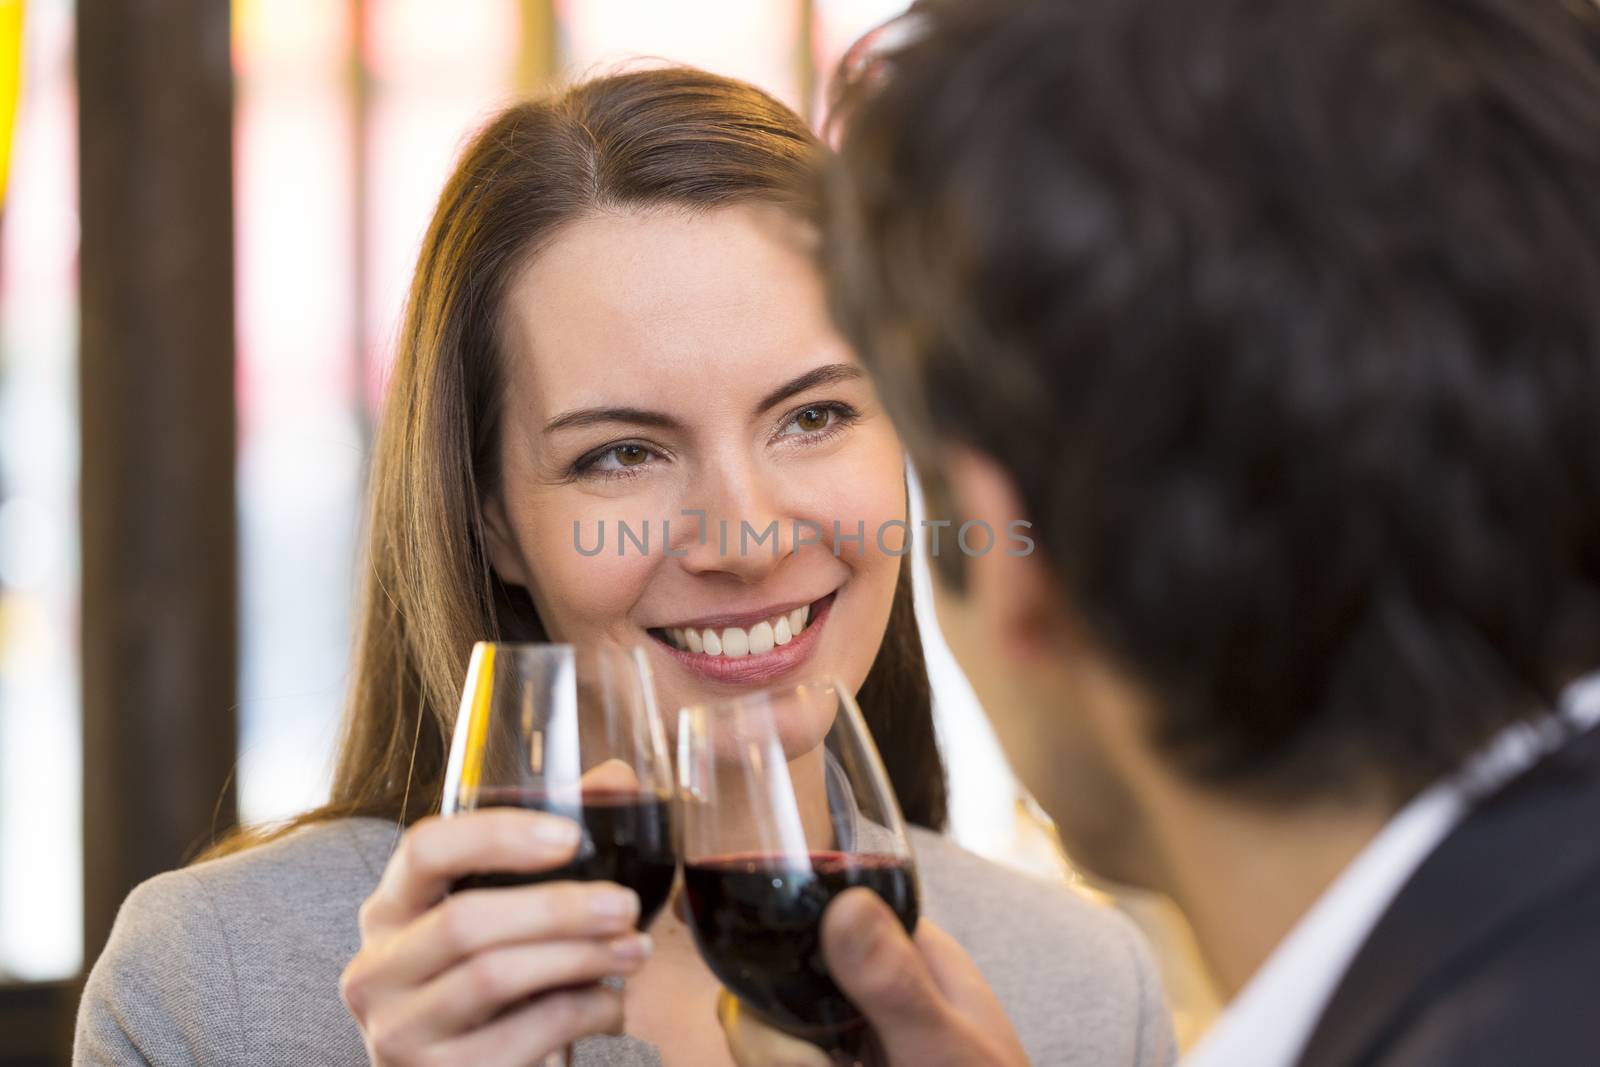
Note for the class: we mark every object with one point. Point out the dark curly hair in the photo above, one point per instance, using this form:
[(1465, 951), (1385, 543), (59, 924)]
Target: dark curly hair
[(1285, 318)]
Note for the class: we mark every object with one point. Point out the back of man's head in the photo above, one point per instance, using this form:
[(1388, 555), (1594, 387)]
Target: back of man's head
[(1285, 319)]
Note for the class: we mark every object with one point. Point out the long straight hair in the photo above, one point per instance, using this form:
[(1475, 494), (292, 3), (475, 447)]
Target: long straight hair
[(656, 138)]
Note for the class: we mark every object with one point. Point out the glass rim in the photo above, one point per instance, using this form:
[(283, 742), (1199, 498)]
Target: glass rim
[(548, 647), (476, 708)]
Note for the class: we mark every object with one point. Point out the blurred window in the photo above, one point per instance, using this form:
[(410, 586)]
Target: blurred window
[(40, 747)]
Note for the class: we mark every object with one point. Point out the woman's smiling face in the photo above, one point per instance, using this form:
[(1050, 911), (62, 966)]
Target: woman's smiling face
[(666, 363)]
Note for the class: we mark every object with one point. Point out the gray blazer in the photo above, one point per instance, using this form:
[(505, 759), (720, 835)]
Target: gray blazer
[(236, 961)]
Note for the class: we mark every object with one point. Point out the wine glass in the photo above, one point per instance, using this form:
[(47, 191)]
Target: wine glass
[(783, 805), (571, 730)]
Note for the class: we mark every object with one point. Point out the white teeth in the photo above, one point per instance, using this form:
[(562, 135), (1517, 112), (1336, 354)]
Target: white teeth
[(761, 638), (736, 641)]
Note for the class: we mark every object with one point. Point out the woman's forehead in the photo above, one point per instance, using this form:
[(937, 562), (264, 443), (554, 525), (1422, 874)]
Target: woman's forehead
[(666, 306)]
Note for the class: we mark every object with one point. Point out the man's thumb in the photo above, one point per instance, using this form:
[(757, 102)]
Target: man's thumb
[(877, 965)]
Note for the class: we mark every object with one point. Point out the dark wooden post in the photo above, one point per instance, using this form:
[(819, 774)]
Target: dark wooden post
[(157, 382)]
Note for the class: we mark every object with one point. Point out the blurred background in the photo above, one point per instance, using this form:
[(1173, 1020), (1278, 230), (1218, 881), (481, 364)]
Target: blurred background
[(178, 528)]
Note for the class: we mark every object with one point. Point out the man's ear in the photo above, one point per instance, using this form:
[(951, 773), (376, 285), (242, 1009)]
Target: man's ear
[(504, 556), (1010, 589)]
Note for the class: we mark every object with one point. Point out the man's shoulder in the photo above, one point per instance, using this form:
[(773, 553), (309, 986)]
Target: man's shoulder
[(1488, 954), (1529, 1000)]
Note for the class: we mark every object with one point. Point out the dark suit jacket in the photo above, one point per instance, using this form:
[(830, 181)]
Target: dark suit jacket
[(1490, 955)]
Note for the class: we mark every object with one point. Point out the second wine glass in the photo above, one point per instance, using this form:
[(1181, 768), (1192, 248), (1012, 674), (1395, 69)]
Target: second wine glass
[(573, 731), (785, 804)]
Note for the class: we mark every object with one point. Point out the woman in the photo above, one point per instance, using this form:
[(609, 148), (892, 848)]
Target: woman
[(614, 319)]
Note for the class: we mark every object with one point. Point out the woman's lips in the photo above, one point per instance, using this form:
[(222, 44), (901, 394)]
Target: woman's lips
[(754, 668)]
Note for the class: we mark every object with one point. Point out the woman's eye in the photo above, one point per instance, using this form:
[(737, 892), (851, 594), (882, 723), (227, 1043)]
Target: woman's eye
[(812, 419), (615, 459)]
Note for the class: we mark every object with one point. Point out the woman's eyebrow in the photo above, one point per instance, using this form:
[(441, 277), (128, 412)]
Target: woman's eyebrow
[(581, 417), (824, 375)]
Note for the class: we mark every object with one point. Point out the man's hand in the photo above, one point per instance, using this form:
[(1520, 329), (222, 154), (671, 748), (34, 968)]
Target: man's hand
[(924, 997)]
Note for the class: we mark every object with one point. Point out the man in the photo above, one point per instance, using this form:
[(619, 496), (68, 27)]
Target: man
[(1281, 322)]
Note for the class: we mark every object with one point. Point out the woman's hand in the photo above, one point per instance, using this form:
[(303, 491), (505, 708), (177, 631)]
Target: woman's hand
[(925, 998), (488, 976)]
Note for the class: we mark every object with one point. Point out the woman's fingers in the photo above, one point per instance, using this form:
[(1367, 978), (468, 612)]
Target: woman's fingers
[(481, 987), (526, 1035), (436, 851), (475, 920), (493, 975)]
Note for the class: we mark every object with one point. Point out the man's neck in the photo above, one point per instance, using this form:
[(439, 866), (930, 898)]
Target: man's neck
[(1244, 875)]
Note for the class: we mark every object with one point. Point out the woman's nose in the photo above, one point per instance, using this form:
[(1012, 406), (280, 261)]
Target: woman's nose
[(738, 528)]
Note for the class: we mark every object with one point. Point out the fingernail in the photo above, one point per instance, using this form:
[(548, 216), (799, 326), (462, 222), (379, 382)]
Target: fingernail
[(633, 949), (554, 830), (616, 904)]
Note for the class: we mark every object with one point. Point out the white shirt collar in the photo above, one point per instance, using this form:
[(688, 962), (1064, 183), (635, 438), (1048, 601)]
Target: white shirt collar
[(1269, 1022)]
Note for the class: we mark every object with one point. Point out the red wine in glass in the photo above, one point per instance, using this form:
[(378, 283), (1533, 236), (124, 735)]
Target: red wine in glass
[(627, 839), (758, 918), (783, 805)]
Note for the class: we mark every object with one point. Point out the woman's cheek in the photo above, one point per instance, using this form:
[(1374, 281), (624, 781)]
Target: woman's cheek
[(589, 574), (869, 499)]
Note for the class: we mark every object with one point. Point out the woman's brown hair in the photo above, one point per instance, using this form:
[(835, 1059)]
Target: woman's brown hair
[(655, 138)]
